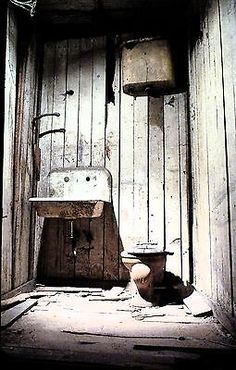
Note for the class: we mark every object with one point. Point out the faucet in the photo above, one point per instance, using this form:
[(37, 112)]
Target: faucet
[(36, 126), (51, 132), (45, 115), (37, 135)]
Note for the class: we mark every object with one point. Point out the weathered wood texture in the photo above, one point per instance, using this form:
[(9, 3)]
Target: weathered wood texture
[(20, 100), (142, 142), (12, 314), (23, 161), (8, 163), (212, 75)]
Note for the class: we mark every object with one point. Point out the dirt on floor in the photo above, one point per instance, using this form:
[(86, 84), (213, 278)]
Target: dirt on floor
[(84, 327)]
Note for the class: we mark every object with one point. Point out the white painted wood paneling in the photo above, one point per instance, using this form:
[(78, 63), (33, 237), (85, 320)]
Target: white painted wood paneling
[(46, 123), (85, 106), (140, 170), (202, 256), (212, 84), (156, 171), (129, 138), (227, 12), (59, 105), (85, 58), (72, 104), (172, 183), (98, 149), (217, 163), (184, 188), (126, 173)]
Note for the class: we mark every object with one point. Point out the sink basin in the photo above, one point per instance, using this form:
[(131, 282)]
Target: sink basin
[(75, 193), (65, 208)]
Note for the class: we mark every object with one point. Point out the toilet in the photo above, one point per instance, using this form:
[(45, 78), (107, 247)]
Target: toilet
[(129, 261), (146, 262)]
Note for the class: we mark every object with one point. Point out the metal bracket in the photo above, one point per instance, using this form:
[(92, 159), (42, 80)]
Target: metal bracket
[(28, 5)]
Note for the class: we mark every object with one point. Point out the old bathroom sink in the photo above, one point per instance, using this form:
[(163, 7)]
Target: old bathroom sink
[(75, 193)]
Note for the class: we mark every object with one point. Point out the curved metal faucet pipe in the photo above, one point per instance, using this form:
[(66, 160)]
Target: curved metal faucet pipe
[(35, 139), (52, 132), (44, 115)]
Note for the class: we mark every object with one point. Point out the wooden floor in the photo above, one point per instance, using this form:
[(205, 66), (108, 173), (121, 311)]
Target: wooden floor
[(83, 327)]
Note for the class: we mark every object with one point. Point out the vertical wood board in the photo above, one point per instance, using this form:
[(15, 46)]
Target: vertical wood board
[(98, 149), (112, 242), (127, 138), (172, 183), (228, 30), (60, 100), (46, 123), (72, 104), (9, 131), (217, 165), (140, 170), (156, 171)]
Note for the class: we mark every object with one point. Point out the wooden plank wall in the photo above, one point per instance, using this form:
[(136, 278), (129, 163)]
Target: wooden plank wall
[(142, 142), (20, 108), (212, 74), (8, 163), (23, 235)]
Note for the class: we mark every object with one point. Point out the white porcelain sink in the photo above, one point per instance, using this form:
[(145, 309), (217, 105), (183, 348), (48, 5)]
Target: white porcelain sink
[(75, 193)]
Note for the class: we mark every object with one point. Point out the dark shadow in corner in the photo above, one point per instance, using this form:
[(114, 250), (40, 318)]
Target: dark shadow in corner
[(88, 257)]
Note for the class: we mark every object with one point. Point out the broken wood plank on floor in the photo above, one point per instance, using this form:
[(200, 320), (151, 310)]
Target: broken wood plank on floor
[(182, 348), (114, 294), (14, 313), (197, 304), (5, 303), (67, 289)]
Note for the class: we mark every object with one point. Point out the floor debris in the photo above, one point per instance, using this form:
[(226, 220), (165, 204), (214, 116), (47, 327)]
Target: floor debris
[(197, 304), (67, 328), (12, 314)]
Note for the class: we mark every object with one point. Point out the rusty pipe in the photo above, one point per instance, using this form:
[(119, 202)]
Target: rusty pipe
[(35, 140), (52, 132), (45, 115)]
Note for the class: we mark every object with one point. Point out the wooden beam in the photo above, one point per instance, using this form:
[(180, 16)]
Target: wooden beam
[(24, 288), (14, 313)]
